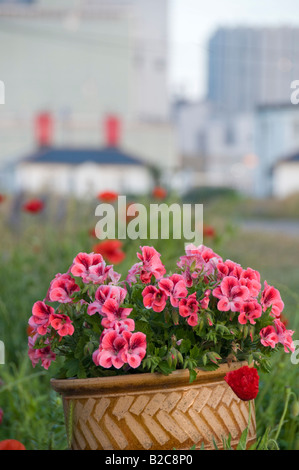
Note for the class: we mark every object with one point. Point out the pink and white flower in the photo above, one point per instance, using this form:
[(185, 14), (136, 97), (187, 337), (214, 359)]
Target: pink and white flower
[(40, 319), (226, 268), (174, 287), (284, 336), (204, 302), (231, 294), (103, 293), (112, 312), (62, 324), (133, 272), (251, 279), (271, 298), (198, 261), (154, 298), (110, 352), (151, 264), (45, 355), (188, 307), (92, 269), (136, 348), (269, 336), (250, 311), (61, 289)]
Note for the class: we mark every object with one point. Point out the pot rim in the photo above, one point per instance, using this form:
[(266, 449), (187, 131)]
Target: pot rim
[(140, 381)]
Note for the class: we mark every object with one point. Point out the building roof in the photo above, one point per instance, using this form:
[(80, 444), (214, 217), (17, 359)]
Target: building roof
[(276, 106), (293, 158), (78, 156)]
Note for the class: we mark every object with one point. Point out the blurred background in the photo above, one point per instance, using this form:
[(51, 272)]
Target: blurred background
[(159, 100), (199, 93)]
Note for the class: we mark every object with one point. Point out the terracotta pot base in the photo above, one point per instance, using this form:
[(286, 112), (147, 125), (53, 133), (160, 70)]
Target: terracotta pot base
[(152, 411)]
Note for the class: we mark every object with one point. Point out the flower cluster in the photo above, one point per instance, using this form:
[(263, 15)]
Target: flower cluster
[(207, 312)]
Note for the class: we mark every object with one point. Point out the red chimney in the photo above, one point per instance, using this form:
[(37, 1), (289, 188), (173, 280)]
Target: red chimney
[(44, 129), (112, 131)]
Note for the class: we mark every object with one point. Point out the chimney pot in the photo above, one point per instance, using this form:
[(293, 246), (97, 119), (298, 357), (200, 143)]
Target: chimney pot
[(112, 131), (44, 129)]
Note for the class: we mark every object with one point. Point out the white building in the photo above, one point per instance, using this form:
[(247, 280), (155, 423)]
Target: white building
[(276, 137), (82, 60), (286, 177), (250, 66), (81, 171), (217, 148)]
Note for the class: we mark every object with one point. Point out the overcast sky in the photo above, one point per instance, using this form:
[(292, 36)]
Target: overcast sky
[(191, 22)]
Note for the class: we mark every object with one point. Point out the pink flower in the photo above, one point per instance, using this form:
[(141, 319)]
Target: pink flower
[(192, 265), (250, 311), (45, 355), (226, 268), (174, 287), (251, 279), (61, 288), (112, 312), (104, 293), (271, 298), (198, 261), (91, 268), (40, 318), (231, 294), (133, 272), (110, 352), (154, 298), (188, 307), (62, 324), (151, 264), (284, 336), (126, 324), (136, 349), (204, 303), (269, 336)]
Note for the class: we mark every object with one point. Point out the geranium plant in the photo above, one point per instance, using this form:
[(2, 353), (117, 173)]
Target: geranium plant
[(209, 311)]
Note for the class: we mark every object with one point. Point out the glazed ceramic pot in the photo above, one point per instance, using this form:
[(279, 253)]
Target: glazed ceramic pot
[(153, 411)]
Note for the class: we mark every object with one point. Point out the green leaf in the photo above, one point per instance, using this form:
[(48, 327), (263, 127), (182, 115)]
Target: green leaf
[(164, 367), (243, 439), (192, 375), (71, 366)]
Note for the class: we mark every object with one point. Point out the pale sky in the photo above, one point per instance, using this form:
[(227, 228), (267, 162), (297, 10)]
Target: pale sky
[(191, 22)]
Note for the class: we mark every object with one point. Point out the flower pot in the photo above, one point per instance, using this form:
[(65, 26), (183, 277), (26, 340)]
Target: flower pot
[(153, 411)]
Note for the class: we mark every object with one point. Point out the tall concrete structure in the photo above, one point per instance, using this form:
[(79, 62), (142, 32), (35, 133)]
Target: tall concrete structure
[(252, 66)]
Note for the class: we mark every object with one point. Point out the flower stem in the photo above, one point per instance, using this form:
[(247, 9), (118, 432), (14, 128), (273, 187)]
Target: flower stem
[(286, 403)]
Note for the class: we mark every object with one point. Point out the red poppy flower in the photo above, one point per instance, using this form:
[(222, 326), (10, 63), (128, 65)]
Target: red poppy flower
[(108, 196), (110, 250), (34, 206), (11, 444), (131, 217), (244, 382), (92, 233), (2, 198), (208, 231), (159, 192)]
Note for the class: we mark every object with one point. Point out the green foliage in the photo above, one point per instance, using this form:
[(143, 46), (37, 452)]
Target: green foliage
[(37, 246)]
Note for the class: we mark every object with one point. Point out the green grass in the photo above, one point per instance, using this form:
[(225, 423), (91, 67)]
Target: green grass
[(35, 248)]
